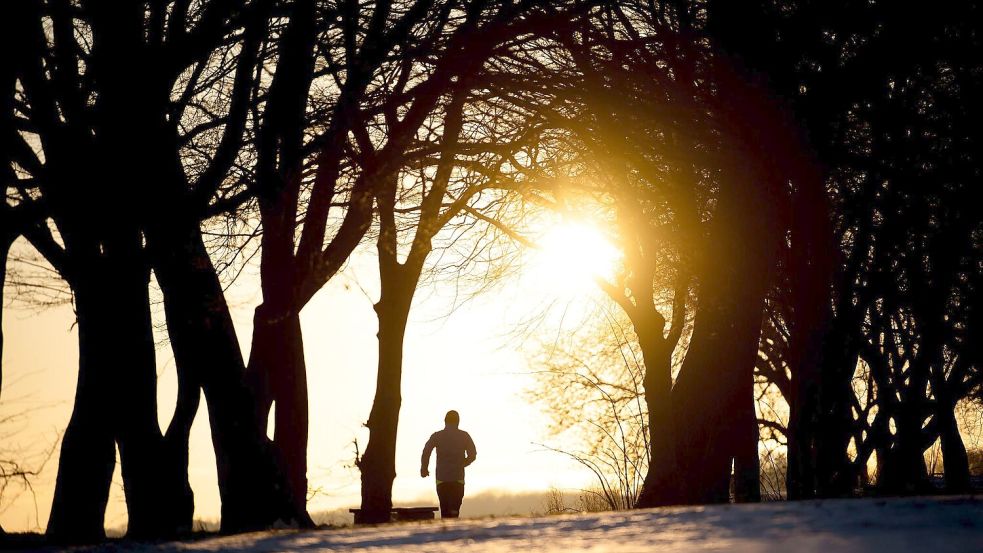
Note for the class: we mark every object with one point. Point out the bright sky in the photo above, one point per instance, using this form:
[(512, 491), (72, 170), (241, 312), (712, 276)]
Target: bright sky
[(466, 358)]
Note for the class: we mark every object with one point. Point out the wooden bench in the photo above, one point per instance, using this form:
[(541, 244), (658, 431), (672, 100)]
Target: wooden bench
[(400, 514)]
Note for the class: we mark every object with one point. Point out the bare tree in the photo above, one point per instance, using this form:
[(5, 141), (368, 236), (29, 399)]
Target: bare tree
[(444, 186), (90, 139), (363, 50), (593, 397)]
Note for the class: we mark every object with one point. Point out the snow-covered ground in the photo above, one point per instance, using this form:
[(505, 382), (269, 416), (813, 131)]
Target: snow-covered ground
[(933, 525)]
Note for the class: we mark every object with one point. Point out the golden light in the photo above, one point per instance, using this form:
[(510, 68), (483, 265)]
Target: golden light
[(573, 254)]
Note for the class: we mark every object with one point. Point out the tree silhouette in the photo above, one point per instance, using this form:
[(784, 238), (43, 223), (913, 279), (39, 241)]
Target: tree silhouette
[(368, 46), (674, 157), (879, 89), (796, 178), (448, 181), (595, 402), (88, 141)]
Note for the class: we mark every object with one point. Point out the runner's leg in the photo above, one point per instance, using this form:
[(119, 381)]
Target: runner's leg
[(456, 496), (443, 494)]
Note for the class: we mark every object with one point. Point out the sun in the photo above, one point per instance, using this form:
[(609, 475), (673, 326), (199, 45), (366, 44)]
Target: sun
[(571, 255)]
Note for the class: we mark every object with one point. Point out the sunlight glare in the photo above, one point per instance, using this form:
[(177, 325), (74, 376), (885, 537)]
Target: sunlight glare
[(572, 255)]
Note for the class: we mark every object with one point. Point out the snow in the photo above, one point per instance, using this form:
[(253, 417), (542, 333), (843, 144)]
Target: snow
[(935, 525)]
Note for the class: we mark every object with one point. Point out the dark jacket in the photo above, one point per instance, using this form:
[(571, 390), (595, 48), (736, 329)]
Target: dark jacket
[(455, 450)]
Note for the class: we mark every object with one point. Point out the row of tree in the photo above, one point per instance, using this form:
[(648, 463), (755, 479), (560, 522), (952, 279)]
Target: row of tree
[(768, 164), (869, 309), (885, 93)]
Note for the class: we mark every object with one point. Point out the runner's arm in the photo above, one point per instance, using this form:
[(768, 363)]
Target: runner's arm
[(425, 459), (470, 451)]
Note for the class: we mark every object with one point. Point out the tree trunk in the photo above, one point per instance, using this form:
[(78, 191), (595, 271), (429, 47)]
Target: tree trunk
[(658, 487), (954, 458), (813, 258), (747, 463), (203, 337), (801, 478), (276, 361), (805, 406), (176, 448), (713, 397), (277, 371), (176, 444), (132, 100), (904, 466), (116, 401), (378, 464), (148, 478), (834, 473), (88, 451), (879, 441), (14, 34)]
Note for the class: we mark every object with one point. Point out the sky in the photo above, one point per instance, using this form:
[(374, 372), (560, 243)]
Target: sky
[(463, 355)]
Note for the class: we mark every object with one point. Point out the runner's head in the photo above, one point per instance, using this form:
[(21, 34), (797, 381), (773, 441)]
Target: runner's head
[(452, 419)]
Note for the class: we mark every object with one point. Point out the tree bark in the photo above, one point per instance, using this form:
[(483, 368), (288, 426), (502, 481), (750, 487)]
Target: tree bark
[(277, 371), (801, 478), (277, 357), (813, 258), (747, 463), (176, 448), (710, 395), (713, 396), (658, 487), (378, 464), (88, 451), (149, 479), (904, 466), (116, 401), (954, 458), (805, 428), (178, 434), (129, 101), (254, 494), (834, 474), (12, 34), (905, 472)]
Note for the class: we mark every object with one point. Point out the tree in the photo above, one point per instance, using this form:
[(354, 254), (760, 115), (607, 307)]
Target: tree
[(683, 155), (728, 148), (879, 90), (594, 399), (370, 46), (464, 172), (93, 143)]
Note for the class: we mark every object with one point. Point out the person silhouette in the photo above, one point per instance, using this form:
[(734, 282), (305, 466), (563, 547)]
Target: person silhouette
[(455, 450)]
